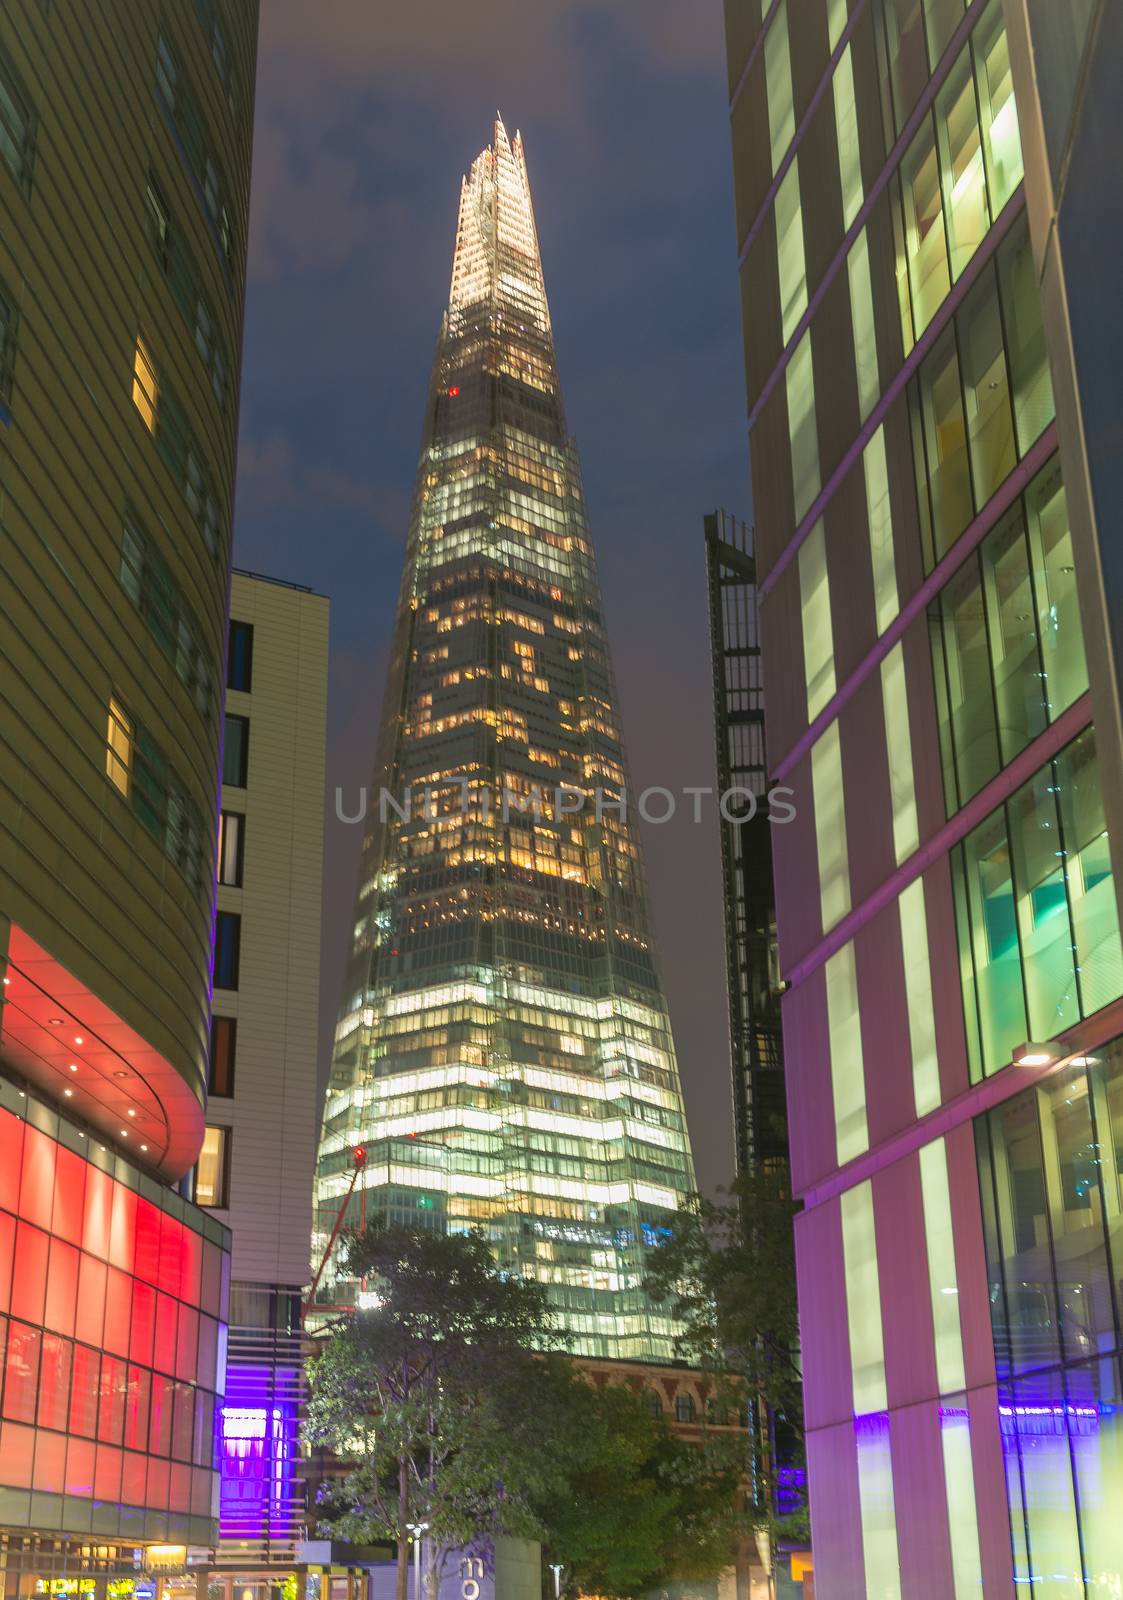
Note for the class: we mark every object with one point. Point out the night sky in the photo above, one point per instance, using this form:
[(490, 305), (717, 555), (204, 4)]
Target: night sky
[(367, 114)]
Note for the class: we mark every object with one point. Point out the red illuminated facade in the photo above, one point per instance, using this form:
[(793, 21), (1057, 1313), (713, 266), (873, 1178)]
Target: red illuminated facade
[(112, 1346)]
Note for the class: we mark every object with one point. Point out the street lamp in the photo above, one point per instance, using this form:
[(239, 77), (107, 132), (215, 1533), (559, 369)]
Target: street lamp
[(557, 1569), (417, 1529)]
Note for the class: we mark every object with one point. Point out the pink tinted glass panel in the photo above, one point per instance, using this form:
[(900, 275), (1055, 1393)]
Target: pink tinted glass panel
[(89, 1320), (37, 1182), (11, 1155), (62, 1287), (70, 1195), (29, 1279)]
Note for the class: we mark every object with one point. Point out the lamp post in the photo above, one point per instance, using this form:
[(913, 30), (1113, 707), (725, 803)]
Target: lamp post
[(416, 1529), (557, 1569)]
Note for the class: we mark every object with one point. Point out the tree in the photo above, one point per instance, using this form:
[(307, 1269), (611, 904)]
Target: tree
[(642, 1507), (426, 1398), (729, 1271)]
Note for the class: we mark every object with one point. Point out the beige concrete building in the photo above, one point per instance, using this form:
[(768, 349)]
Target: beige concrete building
[(256, 1169)]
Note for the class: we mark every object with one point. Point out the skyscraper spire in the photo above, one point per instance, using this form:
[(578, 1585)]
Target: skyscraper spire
[(503, 1053)]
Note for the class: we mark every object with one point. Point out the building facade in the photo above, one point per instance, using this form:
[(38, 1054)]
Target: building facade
[(256, 1167), (928, 258), (124, 174), (504, 1055)]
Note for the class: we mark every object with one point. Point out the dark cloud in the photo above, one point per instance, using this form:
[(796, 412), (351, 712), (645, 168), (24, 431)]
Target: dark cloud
[(367, 114)]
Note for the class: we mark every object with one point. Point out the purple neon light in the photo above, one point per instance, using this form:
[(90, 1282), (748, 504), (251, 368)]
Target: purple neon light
[(968, 541), (257, 1456)]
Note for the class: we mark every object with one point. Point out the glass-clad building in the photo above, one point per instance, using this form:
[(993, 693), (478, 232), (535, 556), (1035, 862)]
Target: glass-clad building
[(503, 1056), (929, 262)]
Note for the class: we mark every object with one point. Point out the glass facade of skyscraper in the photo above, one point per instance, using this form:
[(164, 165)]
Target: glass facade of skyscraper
[(503, 1054), (939, 649)]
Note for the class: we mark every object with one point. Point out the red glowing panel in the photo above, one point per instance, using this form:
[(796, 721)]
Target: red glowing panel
[(159, 1479), (62, 1287), (122, 1228), (192, 1266), (179, 1497), (80, 1454), (107, 1473), (147, 1241), (89, 1320), (97, 1209), (17, 1451), (70, 1195), (21, 1373), (160, 1430), (111, 1411), (118, 1310), (171, 1278), (11, 1156), (7, 1252), (187, 1343), (50, 1462), (143, 1329), (134, 1480), (136, 1409), (37, 1183), (54, 1383), (167, 1317), (29, 1278), (84, 1393)]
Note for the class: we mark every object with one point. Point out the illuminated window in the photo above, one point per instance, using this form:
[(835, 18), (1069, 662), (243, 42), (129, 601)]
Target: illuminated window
[(836, 21), (235, 751), (119, 746), (906, 57), (925, 242), (231, 848), (17, 124), (863, 1300), (227, 949), (778, 79), (802, 426), (1002, 145), (943, 1282), (212, 1172), (815, 606), (848, 1078), (902, 790), (220, 1062), (846, 129), (830, 826), (961, 165), (862, 324), (918, 995), (239, 670), (879, 513), (789, 250), (146, 390)]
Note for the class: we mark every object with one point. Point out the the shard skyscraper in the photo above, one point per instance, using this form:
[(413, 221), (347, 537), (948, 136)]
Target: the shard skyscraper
[(503, 1055)]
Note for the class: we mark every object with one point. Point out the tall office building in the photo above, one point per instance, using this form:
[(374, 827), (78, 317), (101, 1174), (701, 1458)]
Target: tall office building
[(929, 264), (503, 1054), (256, 1168), (124, 171)]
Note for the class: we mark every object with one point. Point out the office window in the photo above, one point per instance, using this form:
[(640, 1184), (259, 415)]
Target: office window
[(231, 848), (879, 513), (906, 57), (156, 219), (17, 124), (986, 389), (1088, 876), (685, 1410), (961, 165), (119, 746), (220, 1064), (913, 918), (944, 470), (846, 130), (941, 18), (1054, 571), (830, 826), (1002, 145), (815, 604), (239, 672), (925, 241), (802, 426), (943, 1279), (167, 72), (836, 21), (235, 751), (778, 79), (1025, 337), (898, 741), (146, 390), (227, 949), (863, 1299), (848, 1078), (1015, 660), (148, 582), (789, 250), (862, 324), (212, 1172)]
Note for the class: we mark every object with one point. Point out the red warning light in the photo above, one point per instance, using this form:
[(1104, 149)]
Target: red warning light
[(455, 390), (359, 1155)]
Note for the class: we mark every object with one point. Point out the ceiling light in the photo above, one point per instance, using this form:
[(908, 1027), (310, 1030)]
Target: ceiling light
[(68, 1093), (132, 1113), (1034, 1055), (124, 1133), (144, 1147), (55, 1022), (7, 981), (74, 1066), (78, 1039)]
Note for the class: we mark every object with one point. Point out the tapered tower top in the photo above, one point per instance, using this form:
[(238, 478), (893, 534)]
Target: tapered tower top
[(496, 260)]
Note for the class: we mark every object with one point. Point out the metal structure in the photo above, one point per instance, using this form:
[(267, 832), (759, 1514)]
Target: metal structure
[(746, 847)]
